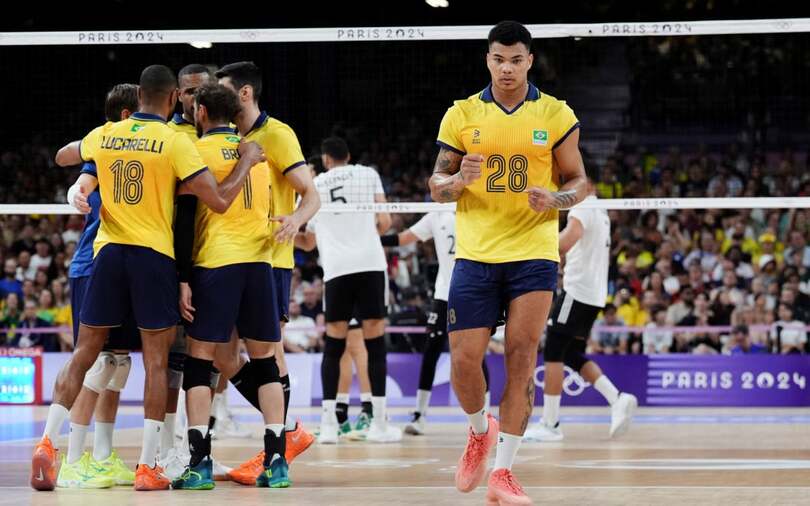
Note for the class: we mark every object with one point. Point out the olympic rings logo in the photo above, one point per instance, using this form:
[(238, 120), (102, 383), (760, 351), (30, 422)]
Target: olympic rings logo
[(573, 383)]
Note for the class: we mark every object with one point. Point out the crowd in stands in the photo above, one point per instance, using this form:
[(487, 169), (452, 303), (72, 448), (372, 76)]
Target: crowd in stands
[(745, 270)]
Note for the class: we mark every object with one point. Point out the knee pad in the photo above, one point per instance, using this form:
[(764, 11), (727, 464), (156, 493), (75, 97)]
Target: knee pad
[(123, 363), (175, 379), (375, 348), (575, 355), (177, 361), (333, 348), (556, 344), (98, 376), (215, 375), (265, 370), (197, 373)]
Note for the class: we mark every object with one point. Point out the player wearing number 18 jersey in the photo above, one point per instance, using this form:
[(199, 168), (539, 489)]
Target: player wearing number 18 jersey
[(139, 161), (496, 155)]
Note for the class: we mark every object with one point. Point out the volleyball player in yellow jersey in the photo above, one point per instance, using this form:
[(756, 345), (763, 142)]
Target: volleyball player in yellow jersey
[(496, 156), (231, 286), (139, 161), (289, 175)]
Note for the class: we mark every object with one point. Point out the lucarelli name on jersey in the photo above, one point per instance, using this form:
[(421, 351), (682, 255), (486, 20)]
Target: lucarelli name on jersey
[(128, 144)]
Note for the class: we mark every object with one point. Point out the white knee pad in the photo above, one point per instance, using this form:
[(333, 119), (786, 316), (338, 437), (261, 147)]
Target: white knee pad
[(97, 378), (175, 379), (123, 363)]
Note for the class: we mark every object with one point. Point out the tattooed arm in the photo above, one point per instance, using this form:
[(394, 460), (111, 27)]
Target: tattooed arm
[(568, 160), (452, 173)]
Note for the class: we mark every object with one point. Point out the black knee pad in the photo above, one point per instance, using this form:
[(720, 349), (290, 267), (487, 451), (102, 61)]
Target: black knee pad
[(556, 344), (197, 373), (265, 371), (575, 355), (333, 347), (177, 361), (375, 348)]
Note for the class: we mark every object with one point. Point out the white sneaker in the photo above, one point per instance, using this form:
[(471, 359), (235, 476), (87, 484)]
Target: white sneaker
[(328, 434), (220, 470), (174, 463), (383, 433), (621, 414), (543, 433), (416, 427), (227, 427)]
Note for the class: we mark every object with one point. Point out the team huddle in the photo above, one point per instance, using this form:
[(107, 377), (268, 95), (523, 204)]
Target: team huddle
[(187, 256)]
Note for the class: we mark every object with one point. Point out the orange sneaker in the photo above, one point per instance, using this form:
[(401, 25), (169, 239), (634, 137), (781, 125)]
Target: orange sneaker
[(504, 490), (297, 442), (472, 466), (43, 465), (247, 473), (151, 478)]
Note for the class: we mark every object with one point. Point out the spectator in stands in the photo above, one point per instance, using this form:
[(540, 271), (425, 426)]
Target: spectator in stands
[(10, 319), (10, 283), (608, 342), (657, 341), (410, 313), (740, 343), (25, 242), (787, 334), (768, 248), (706, 254), (48, 341), (300, 334), (797, 245), (311, 306), (24, 267)]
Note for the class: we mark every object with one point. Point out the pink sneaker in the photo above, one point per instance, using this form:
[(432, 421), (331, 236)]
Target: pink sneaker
[(472, 466), (504, 490)]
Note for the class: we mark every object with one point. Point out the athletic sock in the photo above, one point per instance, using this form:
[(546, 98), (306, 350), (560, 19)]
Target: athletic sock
[(102, 440), (506, 450), (57, 414), (551, 410), (422, 401), (78, 433), (151, 440), (479, 421), (605, 387)]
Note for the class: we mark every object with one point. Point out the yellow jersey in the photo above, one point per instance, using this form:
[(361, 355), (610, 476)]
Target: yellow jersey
[(138, 162), (241, 234), (494, 223), (283, 154), (179, 124)]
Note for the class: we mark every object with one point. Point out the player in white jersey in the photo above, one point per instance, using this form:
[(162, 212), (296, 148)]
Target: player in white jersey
[(354, 268), (441, 227), (585, 242)]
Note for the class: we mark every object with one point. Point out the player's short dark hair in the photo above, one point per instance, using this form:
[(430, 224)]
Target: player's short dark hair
[(317, 163), (221, 103), (193, 68), (510, 33), (156, 82), (243, 73), (335, 147), (120, 97)]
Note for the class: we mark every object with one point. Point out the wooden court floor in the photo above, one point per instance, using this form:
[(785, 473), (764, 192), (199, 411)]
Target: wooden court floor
[(670, 456)]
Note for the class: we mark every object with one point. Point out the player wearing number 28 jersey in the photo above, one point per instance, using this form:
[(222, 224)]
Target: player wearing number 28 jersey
[(498, 148)]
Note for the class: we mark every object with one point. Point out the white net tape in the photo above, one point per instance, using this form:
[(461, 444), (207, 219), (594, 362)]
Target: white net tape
[(401, 33), (426, 207)]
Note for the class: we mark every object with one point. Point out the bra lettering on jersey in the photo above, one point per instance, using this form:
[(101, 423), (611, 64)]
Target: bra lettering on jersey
[(230, 154)]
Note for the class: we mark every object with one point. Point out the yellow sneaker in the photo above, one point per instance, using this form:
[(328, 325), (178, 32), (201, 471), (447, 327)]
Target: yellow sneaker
[(84, 473), (117, 470)]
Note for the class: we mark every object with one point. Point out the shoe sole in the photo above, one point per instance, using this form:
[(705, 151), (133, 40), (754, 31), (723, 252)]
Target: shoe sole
[(39, 465), (81, 485), (204, 486), (150, 489), (625, 425)]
